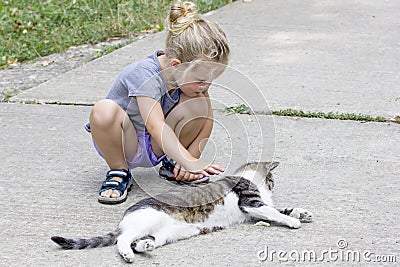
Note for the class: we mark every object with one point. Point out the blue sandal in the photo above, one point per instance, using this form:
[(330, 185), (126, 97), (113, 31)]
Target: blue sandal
[(122, 187)]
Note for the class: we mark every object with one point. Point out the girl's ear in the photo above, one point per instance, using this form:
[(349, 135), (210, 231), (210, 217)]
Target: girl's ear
[(174, 62)]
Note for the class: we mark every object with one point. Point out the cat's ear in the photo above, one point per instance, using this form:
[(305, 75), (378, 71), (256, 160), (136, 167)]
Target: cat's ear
[(271, 165)]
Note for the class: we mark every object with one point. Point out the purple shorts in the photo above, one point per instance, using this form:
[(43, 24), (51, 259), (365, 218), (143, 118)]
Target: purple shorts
[(144, 157)]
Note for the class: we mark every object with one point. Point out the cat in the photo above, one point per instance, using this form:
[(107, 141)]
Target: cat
[(196, 209)]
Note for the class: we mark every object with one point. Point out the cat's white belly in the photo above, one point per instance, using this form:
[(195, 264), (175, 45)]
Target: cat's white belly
[(227, 214)]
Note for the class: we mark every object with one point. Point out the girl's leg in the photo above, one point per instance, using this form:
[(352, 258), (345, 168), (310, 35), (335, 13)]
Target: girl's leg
[(114, 135), (189, 120)]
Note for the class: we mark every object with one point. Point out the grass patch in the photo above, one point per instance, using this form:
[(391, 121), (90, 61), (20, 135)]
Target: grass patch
[(31, 28), (8, 94), (329, 115), (243, 109), (239, 109)]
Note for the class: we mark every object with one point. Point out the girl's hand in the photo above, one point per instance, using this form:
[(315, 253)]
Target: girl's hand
[(181, 174)]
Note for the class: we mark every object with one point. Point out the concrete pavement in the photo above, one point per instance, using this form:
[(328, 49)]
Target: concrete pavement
[(329, 56)]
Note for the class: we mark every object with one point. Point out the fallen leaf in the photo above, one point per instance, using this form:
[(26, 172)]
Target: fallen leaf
[(262, 223), (12, 61), (45, 63), (152, 30), (247, 1), (113, 39), (395, 118)]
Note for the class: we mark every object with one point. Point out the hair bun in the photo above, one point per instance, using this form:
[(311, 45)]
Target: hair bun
[(181, 16)]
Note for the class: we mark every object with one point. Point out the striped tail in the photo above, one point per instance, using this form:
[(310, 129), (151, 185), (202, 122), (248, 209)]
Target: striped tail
[(82, 243)]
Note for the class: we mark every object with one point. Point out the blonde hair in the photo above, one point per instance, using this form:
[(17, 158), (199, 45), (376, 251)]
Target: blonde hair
[(191, 37)]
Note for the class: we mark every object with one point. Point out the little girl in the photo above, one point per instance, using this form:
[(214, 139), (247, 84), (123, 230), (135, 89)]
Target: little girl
[(160, 106)]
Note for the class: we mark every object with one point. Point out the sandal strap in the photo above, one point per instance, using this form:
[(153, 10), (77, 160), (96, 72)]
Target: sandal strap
[(169, 164), (114, 185), (121, 173)]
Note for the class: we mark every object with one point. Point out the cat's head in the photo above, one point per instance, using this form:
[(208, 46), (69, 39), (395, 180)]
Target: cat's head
[(263, 168)]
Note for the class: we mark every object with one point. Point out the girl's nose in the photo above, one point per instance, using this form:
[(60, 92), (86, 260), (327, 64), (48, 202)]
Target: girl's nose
[(204, 86)]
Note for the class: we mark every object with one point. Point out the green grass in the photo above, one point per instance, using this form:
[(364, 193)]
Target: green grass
[(33, 28), (9, 93), (239, 109), (243, 109), (329, 115)]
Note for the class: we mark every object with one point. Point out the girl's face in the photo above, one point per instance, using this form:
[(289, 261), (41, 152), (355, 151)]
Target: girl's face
[(195, 78)]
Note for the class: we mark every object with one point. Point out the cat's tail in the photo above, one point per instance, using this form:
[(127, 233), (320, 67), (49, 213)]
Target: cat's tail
[(81, 243)]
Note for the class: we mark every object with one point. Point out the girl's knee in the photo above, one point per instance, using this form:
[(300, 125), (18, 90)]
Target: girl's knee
[(193, 108), (104, 113)]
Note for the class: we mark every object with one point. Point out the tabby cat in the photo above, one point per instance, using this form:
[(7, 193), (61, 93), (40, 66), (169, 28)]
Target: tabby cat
[(196, 209)]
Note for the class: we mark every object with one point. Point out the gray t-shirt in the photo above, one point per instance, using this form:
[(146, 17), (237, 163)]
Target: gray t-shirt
[(142, 78)]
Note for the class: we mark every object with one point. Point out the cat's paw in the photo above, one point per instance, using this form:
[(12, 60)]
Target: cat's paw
[(144, 245), (128, 255), (302, 214), (125, 250), (294, 223)]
